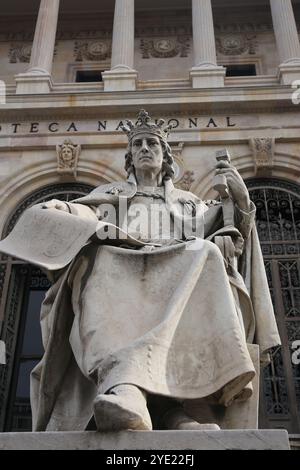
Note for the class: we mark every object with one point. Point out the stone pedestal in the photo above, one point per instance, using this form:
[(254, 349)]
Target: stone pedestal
[(207, 76), (289, 73), (120, 80), (144, 440), (33, 83)]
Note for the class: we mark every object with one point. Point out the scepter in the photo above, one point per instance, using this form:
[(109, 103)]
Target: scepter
[(220, 185)]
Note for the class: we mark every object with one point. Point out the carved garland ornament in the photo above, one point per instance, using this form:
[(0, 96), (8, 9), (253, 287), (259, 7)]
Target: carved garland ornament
[(93, 50), (163, 48), (236, 44)]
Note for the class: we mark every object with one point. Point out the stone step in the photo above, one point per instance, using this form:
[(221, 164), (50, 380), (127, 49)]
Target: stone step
[(148, 440)]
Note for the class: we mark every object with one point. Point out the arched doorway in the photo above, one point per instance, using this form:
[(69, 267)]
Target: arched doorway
[(22, 289), (278, 224)]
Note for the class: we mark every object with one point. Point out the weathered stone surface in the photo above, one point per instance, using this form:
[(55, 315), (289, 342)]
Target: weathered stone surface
[(144, 440)]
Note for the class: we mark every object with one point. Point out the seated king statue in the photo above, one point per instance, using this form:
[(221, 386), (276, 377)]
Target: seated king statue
[(156, 297)]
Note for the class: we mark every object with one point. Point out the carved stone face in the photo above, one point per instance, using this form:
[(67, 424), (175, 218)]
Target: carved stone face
[(147, 152), (67, 154)]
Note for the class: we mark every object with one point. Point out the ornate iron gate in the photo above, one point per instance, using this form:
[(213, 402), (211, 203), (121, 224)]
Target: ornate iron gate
[(278, 224)]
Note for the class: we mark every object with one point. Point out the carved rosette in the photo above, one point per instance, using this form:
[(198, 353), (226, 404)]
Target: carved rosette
[(263, 152), (92, 50), (67, 158), (236, 44), (20, 53), (163, 48)]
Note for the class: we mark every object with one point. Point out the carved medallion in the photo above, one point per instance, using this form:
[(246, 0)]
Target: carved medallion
[(92, 51), (67, 158), (236, 44), (165, 47)]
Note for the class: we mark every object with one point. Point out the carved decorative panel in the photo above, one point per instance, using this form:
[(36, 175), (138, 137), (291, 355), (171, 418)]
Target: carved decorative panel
[(263, 152), (67, 158), (20, 53), (236, 44), (164, 48), (92, 50)]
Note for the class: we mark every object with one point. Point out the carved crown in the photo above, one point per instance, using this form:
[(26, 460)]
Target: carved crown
[(145, 125)]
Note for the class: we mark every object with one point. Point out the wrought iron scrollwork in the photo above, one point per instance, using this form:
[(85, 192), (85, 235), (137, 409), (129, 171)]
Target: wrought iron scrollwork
[(278, 225)]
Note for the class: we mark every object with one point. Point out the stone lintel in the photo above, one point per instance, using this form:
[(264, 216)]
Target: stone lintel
[(144, 440)]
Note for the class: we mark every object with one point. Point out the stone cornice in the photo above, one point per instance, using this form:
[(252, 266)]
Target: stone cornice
[(189, 101)]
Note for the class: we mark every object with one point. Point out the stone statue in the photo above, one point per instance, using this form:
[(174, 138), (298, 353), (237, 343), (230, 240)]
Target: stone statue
[(156, 297)]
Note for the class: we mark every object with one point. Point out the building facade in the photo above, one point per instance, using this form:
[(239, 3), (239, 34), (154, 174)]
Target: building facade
[(224, 73)]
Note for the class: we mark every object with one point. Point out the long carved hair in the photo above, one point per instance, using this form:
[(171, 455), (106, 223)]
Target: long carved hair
[(167, 171)]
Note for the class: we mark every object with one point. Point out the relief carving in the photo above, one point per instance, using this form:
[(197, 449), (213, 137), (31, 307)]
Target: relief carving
[(163, 48), (237, 44), (263, 151), (183, 178), (92, 50), (20, 53), (67, 158)]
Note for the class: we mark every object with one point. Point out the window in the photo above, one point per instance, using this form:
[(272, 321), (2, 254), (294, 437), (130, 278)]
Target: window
[(84, 76), (240, 70)]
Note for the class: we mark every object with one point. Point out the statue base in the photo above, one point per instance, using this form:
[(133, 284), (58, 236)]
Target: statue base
[(145, 440)]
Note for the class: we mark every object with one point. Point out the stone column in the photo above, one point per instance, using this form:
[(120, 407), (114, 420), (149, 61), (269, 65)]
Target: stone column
[(205, 73), (38, 77), (287, 40), (122, 76)]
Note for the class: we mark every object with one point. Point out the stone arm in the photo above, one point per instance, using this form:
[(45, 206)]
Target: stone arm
[(245, 219), (81, 210)]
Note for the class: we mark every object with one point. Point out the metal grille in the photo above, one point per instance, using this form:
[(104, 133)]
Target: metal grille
[(278, 224)]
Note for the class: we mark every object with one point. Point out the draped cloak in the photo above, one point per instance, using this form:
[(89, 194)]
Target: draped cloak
[(174, 320)]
